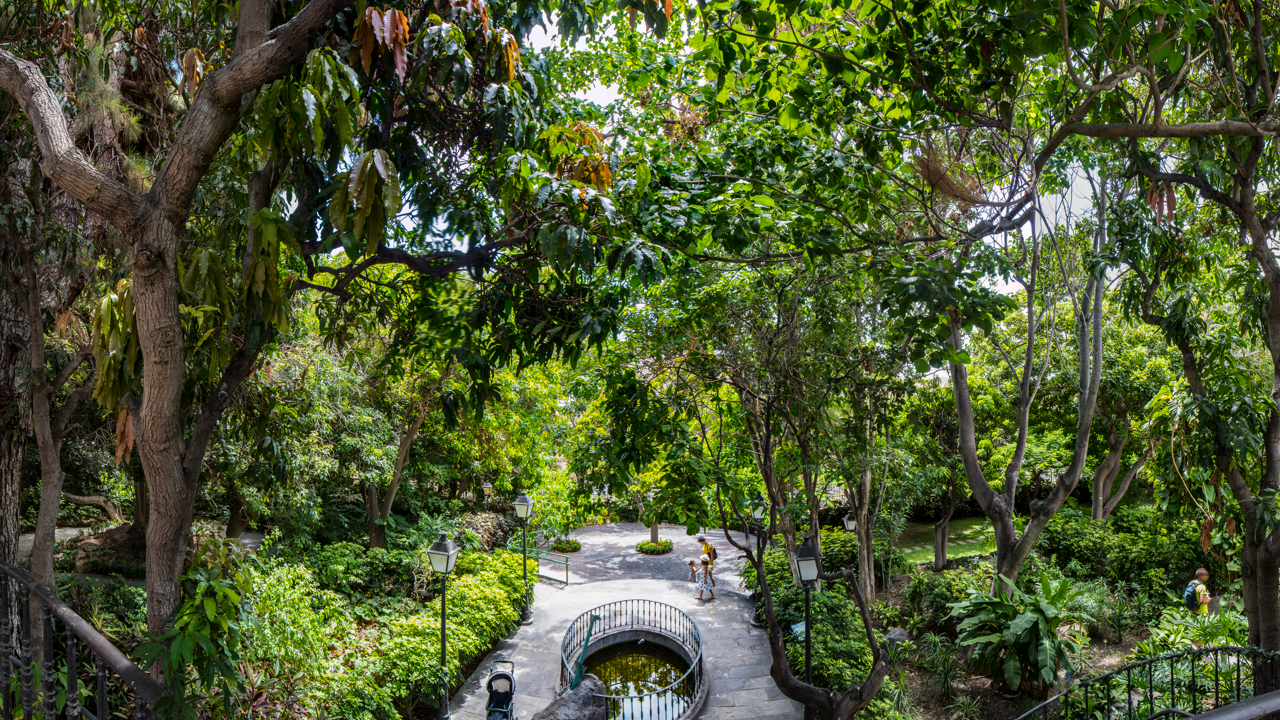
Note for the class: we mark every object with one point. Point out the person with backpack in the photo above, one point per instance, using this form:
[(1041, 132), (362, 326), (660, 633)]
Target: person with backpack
[(1196, 596), (709, 554)]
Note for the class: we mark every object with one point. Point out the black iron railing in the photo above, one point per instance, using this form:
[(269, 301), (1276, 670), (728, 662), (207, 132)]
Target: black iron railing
[(1178, 684), (61, 651), (679, 699)]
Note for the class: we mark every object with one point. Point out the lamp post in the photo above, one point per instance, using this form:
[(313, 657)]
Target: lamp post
[(442, 554), (524, 506), (758, 509), (807, 568), (487, 487), (850, 522)]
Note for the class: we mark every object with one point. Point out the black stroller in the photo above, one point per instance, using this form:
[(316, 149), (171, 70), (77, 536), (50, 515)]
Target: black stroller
[(502, 689)]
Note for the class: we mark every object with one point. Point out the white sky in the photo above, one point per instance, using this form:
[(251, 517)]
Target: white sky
[(598, 93)]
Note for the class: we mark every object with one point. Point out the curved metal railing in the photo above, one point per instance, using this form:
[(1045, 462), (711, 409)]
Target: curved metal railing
[(1177, 684), (679, 699), (56, 660)]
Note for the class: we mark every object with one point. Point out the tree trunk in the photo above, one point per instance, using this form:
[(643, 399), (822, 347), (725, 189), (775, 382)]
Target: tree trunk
[(13, 437), (378, 527), (158, 424), (237, 515), (377, 531), (141, 509), (653, 531), (1119, 493), (943, 527), (1106, 472)]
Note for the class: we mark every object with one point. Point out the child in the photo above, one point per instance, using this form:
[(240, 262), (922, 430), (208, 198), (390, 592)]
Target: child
[(693, 571), (704, 579)]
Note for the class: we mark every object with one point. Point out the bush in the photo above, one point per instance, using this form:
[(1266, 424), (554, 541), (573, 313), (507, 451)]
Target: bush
[(930, 594), (841, 656), (567, 545), (1180, 629), (1138, 542), (355, 570), (662, 547), (366, 670)]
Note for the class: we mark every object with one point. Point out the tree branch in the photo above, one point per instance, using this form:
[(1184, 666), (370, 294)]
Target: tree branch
[(216, 109), (61, 161)]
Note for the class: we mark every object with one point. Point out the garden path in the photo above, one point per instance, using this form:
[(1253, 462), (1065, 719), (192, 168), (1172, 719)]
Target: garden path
[(608, 568)]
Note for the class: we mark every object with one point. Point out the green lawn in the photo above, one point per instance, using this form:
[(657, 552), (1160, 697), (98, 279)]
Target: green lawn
[(986, 547), (962, 530)]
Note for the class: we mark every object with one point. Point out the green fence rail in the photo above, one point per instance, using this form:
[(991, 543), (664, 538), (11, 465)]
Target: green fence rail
[(539, 550)]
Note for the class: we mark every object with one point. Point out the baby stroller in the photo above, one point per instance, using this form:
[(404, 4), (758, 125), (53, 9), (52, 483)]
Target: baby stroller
[(502, 688)]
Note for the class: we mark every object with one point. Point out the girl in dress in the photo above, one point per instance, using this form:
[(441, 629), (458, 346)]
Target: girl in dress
[(704, 579)]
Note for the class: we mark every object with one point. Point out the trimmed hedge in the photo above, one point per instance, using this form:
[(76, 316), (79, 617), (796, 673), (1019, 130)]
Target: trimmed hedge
[(566, 545), (662, 547), (354, 666)]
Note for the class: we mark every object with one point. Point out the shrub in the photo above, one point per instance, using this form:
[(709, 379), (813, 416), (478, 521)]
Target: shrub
[(662, 547), (841, 656), (380, 669), (567, 545), (355, 570), (1179, 629), (1015, 635), (485, 598), (930, 594), (1138, 542)]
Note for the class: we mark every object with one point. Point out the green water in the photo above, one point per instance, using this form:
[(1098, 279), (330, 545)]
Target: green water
[(639, 668)]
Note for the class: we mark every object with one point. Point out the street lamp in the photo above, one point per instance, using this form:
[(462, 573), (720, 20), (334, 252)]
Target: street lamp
[(759, 508), (524, 506), (807, 568), (487, 487), (850, 522), (442, 554)]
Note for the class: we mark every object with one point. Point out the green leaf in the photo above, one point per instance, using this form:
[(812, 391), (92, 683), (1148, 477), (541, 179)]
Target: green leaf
[(1012, 671)]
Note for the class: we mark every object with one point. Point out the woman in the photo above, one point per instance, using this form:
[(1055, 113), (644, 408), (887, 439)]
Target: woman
[(709, 554), (704, 579)]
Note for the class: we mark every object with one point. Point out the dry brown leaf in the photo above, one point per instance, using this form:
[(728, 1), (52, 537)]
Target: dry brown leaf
[(193, 70), (124, 436), (1231, 527), (1171, 199), (668, 9), (1206, 535)]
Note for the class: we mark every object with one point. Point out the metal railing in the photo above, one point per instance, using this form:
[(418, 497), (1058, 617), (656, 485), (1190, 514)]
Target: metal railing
[(1178, 684), (59, 656), (679, 699), (539, 552)]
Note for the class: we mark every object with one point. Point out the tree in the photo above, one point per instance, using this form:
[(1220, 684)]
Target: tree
[(928, 429)]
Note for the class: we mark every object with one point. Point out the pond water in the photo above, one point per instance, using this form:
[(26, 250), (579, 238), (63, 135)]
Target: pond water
[(639, 668)]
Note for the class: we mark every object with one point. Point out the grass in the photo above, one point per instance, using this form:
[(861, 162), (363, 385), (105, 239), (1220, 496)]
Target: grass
[(961, 530), (986, 547)]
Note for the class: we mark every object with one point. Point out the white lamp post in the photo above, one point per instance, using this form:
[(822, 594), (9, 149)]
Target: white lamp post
[(807, 567), (442, 554), (524, 507), (850, 522)]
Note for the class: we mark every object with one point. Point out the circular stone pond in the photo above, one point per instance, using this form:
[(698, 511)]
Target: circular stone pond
[(636, 674), (647, 654)]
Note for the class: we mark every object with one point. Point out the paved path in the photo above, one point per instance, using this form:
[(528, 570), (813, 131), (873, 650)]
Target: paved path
[(608, 568)]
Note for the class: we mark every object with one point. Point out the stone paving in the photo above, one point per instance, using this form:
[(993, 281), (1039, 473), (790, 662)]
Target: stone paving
[(608, 568)]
